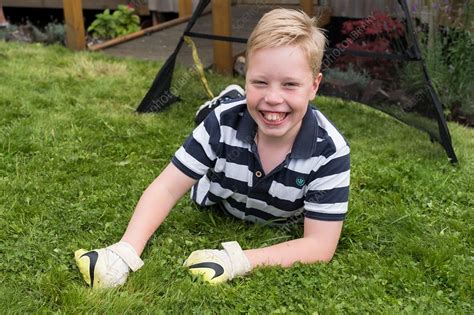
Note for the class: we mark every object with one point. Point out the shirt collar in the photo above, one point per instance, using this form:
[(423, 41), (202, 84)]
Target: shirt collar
[(305, 141), (247, 128)]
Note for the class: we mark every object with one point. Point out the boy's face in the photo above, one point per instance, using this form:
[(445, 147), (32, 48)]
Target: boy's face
[(279, 84)]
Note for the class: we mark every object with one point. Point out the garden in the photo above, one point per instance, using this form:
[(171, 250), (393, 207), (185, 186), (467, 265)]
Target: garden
[(393, 80), (49, 28)]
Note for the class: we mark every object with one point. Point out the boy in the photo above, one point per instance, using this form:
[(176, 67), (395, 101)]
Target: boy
[(265, 157)]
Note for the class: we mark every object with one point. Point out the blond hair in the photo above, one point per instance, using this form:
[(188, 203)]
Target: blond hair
[(282, 27)]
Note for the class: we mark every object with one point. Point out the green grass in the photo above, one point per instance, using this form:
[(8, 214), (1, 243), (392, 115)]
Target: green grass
[(75, 158)]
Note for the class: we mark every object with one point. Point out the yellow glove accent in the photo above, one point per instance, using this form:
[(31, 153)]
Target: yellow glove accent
[(217, 266)]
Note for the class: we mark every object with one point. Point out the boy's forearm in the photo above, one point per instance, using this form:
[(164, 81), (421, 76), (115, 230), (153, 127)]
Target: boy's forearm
[(305, 250), (149, 213), (155, 205)]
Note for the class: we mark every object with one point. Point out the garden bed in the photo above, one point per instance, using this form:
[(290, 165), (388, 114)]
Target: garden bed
[(387, 81)]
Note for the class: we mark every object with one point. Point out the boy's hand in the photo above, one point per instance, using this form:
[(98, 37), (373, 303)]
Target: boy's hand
[(217, 266), (107, 267)]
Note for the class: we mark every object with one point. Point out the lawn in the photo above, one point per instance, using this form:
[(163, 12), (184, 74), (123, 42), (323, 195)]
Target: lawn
[(75, 158)]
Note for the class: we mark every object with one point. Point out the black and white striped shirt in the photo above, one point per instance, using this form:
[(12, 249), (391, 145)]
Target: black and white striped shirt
[(313, 181)]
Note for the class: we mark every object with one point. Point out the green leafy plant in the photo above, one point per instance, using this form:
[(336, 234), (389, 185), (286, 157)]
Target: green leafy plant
[(110, 25), (52, 33), (55, 32), (451, 68), (446, 41), (349, 76), (461, 68)]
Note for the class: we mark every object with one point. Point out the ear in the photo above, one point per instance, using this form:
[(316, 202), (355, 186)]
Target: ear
[(315, 84)]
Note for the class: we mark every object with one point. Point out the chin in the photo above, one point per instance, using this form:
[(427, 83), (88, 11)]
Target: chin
[(273, 132)]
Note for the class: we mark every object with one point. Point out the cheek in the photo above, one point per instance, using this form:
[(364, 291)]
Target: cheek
[(308, 94), (252, 97), (299, 101), (297, 97)]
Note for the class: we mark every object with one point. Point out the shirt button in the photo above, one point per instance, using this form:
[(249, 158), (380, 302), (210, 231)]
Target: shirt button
[(258, 174)]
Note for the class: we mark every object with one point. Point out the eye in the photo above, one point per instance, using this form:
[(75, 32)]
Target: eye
[(291, 84), (259, 82)]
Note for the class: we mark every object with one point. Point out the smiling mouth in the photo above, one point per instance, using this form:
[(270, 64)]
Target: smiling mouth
[(273, 117)]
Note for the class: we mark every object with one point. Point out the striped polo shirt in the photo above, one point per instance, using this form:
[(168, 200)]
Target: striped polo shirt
[(312, 181)]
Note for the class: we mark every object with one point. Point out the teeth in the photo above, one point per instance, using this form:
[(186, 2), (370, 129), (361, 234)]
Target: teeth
[(273, 116)]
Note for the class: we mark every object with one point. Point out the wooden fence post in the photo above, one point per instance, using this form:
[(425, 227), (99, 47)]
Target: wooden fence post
[(74, 20), (307, 6), (221, 25), (185, 7)]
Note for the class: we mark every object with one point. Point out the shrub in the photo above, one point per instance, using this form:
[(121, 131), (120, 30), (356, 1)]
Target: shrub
[(55, 32), (123, 21), (446, 40), (448, 57), (381, 34), (350, 76)]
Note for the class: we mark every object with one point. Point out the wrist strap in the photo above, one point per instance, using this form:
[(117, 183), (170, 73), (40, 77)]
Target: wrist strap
[(128, 254), (240, 262)]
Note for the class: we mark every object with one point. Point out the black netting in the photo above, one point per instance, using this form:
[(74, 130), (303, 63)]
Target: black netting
[(373, 59)]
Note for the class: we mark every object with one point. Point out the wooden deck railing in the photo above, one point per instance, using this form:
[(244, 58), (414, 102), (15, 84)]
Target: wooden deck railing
[(74, 21)]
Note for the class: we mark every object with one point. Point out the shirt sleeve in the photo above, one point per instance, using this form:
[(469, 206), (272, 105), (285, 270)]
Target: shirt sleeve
[(327, 193), (198, 153)]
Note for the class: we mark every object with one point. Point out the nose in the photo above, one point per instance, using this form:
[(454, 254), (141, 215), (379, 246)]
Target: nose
[(273, 96)]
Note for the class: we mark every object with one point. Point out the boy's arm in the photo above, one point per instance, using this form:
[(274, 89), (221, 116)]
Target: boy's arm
[(155, 204), (328, 191), (318, 244)]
